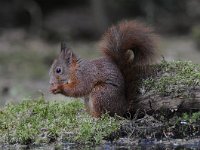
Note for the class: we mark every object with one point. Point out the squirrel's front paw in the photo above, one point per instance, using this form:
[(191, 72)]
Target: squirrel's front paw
[(55, 89)]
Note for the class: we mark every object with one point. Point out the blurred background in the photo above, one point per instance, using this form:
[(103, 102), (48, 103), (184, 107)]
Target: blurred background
[(31, 31)]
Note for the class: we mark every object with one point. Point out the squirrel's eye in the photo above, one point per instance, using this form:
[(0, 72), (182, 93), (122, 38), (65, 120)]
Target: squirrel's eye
[(58, 70)]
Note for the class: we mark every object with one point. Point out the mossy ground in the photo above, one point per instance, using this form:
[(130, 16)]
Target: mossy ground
[(38, 121), (176, 79)]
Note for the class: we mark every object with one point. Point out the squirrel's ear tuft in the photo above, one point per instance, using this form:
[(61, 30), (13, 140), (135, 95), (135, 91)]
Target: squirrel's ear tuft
[(66, 53), (64, 46)]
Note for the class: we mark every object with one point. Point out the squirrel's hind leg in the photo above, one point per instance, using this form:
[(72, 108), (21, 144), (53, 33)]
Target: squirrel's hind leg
[(106, 98)]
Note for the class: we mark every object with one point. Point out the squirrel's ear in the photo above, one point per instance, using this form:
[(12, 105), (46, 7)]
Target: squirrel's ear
[(64, 46), (66, 53), (71, 57)]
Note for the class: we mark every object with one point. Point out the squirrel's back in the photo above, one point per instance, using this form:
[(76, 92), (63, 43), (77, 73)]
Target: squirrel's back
[(108, 72)]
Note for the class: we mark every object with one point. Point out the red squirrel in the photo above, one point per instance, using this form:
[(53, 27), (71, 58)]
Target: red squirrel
[(106, 84)]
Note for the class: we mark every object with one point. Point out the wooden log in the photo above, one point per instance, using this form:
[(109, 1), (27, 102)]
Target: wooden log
[(173, 86), (157, 102)]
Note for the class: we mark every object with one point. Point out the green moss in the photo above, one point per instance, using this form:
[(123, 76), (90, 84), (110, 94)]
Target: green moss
[(176, 78), (191, 118), (186, 125), (38, 121)]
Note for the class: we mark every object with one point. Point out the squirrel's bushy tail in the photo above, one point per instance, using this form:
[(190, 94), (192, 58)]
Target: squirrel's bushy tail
[(128, 36), (131, 46)]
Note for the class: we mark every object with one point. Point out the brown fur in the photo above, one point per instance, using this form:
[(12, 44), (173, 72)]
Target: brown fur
[(107, 84), (128, 36), (73, 79)]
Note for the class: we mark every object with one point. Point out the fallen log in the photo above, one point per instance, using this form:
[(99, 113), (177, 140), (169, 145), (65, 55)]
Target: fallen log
[(172, 86)]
